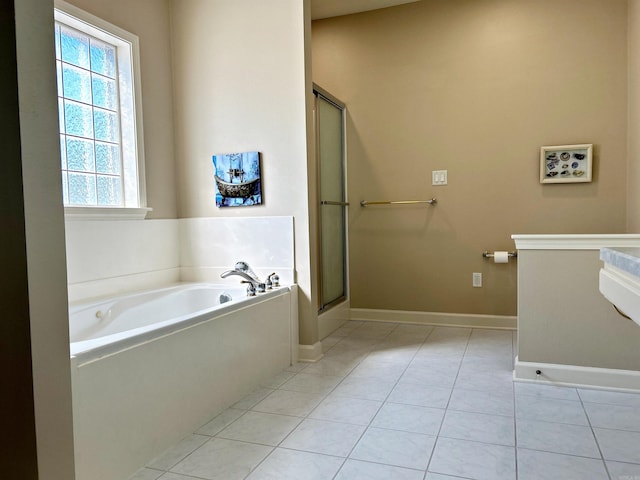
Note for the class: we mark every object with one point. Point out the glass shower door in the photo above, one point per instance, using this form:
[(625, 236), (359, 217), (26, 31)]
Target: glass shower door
[(332, 213)]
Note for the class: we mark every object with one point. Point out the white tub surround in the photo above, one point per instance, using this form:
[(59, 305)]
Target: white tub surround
[(566, 328), (131, 404), (112, 257), (211, 246), (134, 396), (103, 327)]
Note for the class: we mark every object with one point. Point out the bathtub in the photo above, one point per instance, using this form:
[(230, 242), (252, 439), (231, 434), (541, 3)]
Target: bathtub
[(101, 328), (151, 367)]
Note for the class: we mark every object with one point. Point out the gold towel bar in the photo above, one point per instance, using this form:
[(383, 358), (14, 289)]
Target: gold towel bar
[(365, 203)]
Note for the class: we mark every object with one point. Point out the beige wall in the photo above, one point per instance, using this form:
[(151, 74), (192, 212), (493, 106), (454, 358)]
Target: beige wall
[(563, 318), (44, 229), (149, 20), (240, 85), (474, 87), (633, 142)]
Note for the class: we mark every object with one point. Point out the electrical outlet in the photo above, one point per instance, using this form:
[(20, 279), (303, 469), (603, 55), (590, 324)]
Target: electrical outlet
[(439, 177), (477, 279)]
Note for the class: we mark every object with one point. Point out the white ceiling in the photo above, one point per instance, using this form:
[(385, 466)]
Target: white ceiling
[(334, 8)]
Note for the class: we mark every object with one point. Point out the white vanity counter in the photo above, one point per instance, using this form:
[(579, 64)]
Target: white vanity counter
[(620, 280)]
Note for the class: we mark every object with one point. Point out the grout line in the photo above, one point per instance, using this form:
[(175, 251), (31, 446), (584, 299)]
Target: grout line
[(366, 428), (324, 397), (182, 474), (586, 414), (364, 354), (433, 450)]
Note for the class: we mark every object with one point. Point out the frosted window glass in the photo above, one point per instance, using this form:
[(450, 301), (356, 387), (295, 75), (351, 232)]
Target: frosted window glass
[(82, 189), (80, 155), (59, 77), (106, 125), (109, 190), (107, 158), (78, 119), (57, 34), (103, 58), (104, 92), (76, 83), (61, 115), (65, 188), (95, 64), (63, 152), (74, 47)]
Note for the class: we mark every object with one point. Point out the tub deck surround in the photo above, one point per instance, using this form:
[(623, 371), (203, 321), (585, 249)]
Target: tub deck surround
[(120, 256), (566, 328), (105, 327), (136, 397), (211, 246)]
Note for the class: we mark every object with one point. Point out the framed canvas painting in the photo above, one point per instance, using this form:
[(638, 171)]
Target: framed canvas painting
[(237, 179)]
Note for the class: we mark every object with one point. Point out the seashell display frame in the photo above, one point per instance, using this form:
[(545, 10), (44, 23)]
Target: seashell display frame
[(576, 166)]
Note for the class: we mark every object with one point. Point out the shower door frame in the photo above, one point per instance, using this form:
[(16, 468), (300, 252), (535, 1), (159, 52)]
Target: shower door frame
[(319, 92)]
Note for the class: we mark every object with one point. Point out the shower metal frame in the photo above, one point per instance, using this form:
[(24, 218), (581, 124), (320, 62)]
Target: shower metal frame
[(319, 92)]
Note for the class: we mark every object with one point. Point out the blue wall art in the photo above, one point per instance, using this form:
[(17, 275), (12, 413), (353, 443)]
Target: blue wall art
[(237, 179)]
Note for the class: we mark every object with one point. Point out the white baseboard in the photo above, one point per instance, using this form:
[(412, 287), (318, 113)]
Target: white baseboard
[(435, 318), (310, 353), (333, 319), (576, 376)]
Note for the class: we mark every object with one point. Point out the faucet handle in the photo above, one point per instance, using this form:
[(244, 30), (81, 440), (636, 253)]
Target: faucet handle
[(251, 289), (274, 279)]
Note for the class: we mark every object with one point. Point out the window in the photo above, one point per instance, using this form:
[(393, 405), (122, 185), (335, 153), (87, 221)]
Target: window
[(99, 115)]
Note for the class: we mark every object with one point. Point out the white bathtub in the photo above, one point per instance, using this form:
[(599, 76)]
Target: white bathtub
[(100, 328), (149, 368)]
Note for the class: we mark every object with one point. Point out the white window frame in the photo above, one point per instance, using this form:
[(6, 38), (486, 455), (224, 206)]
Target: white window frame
[(133, 174)]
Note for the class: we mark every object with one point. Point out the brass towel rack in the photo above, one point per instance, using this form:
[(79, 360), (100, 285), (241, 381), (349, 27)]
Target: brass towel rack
[(366, 203)]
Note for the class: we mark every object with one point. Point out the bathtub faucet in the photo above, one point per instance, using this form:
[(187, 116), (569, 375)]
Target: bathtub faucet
[(243, 270)]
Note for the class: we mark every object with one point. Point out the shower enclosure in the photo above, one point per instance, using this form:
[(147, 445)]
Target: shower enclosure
[(332, 215)]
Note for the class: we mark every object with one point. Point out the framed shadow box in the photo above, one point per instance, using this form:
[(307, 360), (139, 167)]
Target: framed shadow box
[(566, 164)]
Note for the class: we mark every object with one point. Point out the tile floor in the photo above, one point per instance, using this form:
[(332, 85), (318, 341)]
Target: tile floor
[(411, 402)]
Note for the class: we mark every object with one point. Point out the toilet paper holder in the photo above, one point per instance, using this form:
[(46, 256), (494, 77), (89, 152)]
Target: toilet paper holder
[(487, 254)]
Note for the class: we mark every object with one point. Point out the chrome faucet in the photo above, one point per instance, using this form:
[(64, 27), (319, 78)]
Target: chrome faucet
[(243, 270)]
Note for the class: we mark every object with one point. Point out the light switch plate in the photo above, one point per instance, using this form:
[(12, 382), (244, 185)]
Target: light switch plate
[(439, 177)]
